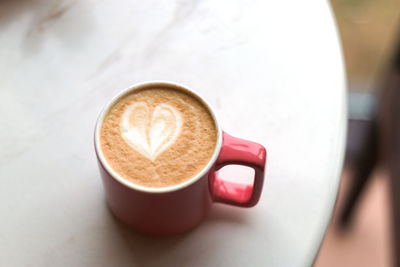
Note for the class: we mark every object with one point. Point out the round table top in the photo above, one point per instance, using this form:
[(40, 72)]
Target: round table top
[(273, 70)]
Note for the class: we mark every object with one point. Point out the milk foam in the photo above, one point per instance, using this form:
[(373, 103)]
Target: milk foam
[(150, 132), (158, 137)]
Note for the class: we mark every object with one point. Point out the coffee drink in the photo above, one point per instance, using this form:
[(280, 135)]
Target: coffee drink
[(158, 137)]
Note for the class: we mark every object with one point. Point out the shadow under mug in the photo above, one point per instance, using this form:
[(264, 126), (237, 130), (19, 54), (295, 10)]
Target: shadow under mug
[(179, 208)]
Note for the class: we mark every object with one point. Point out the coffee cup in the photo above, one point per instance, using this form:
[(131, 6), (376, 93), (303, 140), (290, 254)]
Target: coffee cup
[(154, 136)]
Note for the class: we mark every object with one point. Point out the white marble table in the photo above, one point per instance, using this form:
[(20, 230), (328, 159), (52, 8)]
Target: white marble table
[(273, 71)]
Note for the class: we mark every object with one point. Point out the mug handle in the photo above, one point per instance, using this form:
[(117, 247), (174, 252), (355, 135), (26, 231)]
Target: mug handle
[(240, 152)]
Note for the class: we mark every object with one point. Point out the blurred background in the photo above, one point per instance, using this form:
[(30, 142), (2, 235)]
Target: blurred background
[(363, 229)]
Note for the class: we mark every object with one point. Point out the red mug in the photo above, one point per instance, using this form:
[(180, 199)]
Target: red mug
[(179, 208)]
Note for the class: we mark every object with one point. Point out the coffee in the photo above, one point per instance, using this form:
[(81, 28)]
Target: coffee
[(158, 137)]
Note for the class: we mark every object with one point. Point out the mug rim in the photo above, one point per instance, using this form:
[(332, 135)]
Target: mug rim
[(141, 86)]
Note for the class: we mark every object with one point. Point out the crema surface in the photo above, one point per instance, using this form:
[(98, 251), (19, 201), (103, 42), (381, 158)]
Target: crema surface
[(158, 137)]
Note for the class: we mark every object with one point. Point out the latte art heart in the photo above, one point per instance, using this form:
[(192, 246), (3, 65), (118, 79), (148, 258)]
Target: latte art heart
[(150, 132)]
